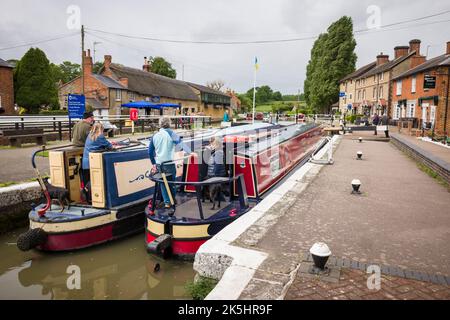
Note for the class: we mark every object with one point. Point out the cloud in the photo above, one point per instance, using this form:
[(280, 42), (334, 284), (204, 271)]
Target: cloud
[(282, 65)]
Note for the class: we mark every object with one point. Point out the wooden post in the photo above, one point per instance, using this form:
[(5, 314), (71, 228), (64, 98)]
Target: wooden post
[(60, 131)]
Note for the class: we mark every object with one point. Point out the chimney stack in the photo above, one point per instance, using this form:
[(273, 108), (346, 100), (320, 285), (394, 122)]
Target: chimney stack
[(382, 59), (146, 66), (414, 45), (448, 47), (401, 51), (106, 66), (87, 62)]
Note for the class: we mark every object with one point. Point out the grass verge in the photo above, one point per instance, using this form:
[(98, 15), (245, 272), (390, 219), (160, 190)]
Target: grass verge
[(200, 288)]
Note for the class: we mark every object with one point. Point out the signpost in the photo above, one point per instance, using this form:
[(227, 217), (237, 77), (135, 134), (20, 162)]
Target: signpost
[(77, 106), (429, 82), (342, 94)]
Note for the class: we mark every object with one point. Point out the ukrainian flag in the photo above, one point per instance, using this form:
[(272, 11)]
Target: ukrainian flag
[(256, 64)]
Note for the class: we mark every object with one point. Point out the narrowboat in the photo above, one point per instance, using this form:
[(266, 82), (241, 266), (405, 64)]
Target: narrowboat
[(256, 161), (120, 191)]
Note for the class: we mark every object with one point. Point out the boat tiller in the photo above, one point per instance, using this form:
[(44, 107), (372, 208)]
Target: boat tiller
[(161, 245)]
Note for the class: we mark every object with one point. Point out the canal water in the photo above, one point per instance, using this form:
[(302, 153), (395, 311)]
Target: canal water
[(118, 270)]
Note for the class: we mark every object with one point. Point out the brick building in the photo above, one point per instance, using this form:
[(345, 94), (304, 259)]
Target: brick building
[(424, 101), (117, 84), (6, 88), (373, 89), (103, 94), (347, 87)]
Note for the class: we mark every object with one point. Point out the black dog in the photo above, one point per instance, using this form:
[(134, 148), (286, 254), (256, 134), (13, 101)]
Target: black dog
[(57, 193), (214, 194)]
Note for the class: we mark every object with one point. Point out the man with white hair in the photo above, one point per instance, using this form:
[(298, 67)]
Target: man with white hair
[(162, 151)]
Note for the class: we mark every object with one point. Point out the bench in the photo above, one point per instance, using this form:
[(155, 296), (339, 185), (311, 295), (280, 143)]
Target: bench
[(17, 137)]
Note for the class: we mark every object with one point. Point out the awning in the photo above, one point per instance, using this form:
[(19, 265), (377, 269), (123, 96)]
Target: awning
[(150, 105)]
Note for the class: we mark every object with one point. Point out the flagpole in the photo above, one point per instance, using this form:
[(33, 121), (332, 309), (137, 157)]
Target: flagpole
[(254, 96)]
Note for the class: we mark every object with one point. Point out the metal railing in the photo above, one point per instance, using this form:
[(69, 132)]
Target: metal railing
[(118, 123)]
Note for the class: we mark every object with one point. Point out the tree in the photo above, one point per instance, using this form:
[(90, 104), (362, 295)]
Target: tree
[(332, 58), (277, 96), (216, 84), (97, 66), (35, 82), (160, 66), (246, 102), (263, 94)]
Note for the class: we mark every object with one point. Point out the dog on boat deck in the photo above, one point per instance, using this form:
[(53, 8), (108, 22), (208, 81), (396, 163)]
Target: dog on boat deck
[(57, 194), (214, 193)]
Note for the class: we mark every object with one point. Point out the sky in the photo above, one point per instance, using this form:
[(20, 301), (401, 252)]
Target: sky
[(282, 65)]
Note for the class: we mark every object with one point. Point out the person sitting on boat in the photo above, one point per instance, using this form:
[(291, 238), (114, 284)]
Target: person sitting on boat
[(82, 128), (95, 141), (216, 163), (161, 151)]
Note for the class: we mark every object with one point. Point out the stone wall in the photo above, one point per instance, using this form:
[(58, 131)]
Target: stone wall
[(15, 204), (437, 165)]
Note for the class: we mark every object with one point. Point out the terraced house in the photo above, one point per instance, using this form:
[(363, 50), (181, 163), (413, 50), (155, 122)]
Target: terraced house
[(422, 93), (6, 88), (348, 89), (117, 84), (373, 88)]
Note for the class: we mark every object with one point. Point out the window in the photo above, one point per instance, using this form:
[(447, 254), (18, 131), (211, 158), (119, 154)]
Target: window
[(350, 97), (411, 110), (118, 95), (364, 94), (399, 87), (381, 92), (397, 111), (413, 84), (359, 94), (382, 76), (131, 95), (374, 93)]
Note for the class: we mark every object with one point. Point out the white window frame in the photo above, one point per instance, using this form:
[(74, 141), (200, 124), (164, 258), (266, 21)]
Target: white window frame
[(364, 94), (399, 87), (414, 84), (397, 111), (382, 76), (374, 93), (411, 110), (381, 92), (118, 95)]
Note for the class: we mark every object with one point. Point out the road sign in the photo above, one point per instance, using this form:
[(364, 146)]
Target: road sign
[(76, 105), (429, 82), (342, 94)]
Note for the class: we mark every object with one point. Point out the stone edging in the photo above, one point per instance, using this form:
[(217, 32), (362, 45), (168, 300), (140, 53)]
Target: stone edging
[(235, 266), (436, 164), (15, 204)]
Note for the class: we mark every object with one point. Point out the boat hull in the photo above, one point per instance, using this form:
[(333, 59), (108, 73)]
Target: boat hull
[(88, 232)]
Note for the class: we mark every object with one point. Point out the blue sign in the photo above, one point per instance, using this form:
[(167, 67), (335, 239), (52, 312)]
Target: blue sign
[(342, 94), (349, 107), (77, 105), (156, 99)]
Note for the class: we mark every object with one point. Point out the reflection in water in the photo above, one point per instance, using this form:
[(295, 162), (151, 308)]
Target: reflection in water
[(118, 270)]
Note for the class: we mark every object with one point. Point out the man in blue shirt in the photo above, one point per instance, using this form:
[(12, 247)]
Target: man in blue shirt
[(162, 151)]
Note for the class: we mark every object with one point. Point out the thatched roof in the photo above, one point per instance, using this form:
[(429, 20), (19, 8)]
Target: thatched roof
[(147, 83)]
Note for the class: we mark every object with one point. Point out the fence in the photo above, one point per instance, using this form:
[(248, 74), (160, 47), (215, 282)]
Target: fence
[(119, 124)]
